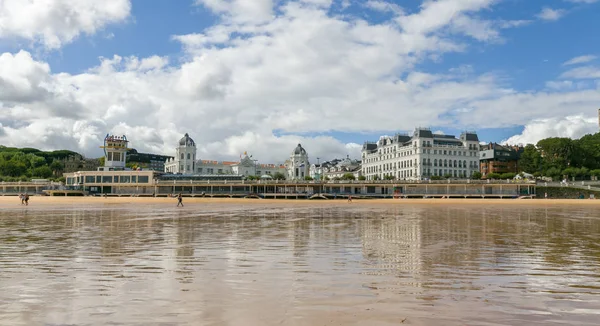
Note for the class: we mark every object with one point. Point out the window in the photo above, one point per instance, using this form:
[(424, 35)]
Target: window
[(199, 170), (143, 179), (181, 167), (188, 167), (133, 179), (220, 171), (189, 156), (182, 156), (125, 179)]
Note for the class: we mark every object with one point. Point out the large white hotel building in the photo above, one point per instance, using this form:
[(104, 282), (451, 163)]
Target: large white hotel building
[(421, 156)]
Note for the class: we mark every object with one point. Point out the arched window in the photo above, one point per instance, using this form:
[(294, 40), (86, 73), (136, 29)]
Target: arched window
[(445, 162), (455, 164), (465, 163), (434, 162), (182, 156), (189, 156)]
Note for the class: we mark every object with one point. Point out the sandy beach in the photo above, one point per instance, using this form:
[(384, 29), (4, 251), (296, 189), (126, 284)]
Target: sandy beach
[(8, 201)]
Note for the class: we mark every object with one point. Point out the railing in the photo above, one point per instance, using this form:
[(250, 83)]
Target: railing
[(363, 182)]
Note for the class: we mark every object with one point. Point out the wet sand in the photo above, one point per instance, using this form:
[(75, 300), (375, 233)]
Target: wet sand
[(9, 201), (224, 262)]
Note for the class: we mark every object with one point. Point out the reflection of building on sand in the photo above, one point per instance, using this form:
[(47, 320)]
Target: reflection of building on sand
[(393, 244)]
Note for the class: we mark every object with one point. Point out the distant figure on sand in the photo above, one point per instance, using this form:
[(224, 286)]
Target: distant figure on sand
[(179, 200), (26, 198), (349, 198), (22, 198)]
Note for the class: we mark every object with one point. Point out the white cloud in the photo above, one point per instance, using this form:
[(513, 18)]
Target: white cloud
[(57, 22), (572, 126), (241, 11), (580, 59), (588, 72), (302, 70), (550, 14), (383, 6), (583, 1)]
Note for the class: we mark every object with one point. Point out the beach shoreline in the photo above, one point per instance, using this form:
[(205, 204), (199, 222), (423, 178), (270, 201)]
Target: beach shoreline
[(89, 200)]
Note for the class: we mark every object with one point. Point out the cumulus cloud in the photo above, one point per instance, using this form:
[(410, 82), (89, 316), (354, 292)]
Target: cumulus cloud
[(54, 23), (289, 68), (550, 14), (575, 126)]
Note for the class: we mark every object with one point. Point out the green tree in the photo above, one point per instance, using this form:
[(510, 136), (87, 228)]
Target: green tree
[(42, 172), (362, 178), (476, 175), (57, 167), (506, 176), (278, 176), (530, 160), (308, 178), (348, 176), (493, 175)]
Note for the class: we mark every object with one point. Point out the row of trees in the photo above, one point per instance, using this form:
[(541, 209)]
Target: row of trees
[(23, 164), (563, 157)]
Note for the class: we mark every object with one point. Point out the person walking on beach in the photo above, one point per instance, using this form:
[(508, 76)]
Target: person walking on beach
[(26, 198), (22, 198), (179, 200), (349, 198)]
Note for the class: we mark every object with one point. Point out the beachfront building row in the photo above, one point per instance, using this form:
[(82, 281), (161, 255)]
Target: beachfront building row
[(422, 155), (335, 169), (186, 162)]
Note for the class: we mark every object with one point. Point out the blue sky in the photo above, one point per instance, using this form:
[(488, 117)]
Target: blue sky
[(492, 66)]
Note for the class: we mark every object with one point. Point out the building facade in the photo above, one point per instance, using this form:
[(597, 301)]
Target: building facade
[(79, 163), (335, 169), (298, 166), (422, 155), (147, 161), (495, 158), (185, 162)]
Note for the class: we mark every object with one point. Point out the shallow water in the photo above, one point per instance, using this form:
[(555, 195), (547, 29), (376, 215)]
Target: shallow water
[(299, 265)]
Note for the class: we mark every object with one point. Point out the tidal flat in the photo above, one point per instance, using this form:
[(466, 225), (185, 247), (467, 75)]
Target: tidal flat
[(299, 264)]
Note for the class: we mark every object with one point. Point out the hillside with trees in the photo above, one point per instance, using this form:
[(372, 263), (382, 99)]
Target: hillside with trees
[(24, 164), (563, 157)]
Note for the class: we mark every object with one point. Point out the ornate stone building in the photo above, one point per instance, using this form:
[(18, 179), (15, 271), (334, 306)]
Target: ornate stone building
[(421, 156), (185, 162), (185, 157), (297, 165)]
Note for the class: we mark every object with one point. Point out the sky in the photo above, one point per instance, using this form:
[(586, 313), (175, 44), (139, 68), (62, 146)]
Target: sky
[(261, 76)]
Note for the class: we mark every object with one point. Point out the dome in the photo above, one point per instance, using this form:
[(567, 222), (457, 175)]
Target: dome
[(299, 150), (186, 141)]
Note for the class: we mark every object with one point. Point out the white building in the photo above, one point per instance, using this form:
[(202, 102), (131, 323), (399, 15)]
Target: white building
[(115, 153), (185, 162), (336, 169), (185, 157), (297, 165), (421, 156)]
